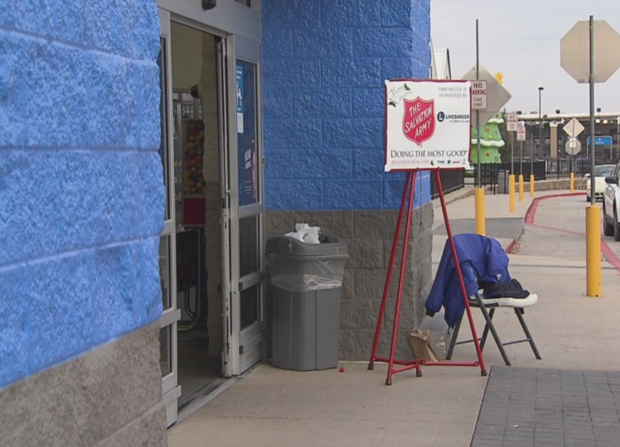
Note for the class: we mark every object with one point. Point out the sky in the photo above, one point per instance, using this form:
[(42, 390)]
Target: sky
[(522, 41)]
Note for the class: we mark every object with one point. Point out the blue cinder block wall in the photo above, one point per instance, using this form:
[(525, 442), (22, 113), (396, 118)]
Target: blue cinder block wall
[(81, 190), (324, 66)]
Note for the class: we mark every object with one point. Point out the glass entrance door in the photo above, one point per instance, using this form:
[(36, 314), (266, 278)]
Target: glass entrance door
[(167, 248), (247, 268)]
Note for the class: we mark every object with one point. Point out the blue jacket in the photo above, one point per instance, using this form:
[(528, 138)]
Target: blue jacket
[(482, 260)]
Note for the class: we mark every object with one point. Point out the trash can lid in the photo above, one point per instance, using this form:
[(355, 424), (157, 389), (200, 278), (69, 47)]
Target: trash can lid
[(329, 246)]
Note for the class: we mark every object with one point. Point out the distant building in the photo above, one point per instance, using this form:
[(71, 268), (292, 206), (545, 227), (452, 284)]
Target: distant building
[(555, 139), (440, 66)]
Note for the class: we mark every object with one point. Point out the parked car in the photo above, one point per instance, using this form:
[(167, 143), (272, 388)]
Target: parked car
[(611, 201), (600, 172)]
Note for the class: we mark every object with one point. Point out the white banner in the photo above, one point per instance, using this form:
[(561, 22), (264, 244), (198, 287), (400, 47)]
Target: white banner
[(427, 125)]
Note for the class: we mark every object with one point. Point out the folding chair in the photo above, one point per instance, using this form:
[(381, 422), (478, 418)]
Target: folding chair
[(517, 304)]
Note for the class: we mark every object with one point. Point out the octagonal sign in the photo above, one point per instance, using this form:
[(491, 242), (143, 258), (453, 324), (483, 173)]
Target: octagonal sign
[(575, 51)]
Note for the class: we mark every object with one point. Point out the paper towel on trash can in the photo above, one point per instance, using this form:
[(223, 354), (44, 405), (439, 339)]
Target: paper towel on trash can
[(306, 233)]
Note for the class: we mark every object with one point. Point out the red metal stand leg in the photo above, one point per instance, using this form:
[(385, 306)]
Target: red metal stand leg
[(444, 208), (403, 266), (386, 288)]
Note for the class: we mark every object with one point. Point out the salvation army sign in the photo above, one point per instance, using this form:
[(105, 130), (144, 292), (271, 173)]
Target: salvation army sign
[(418, 122), (427, 124)]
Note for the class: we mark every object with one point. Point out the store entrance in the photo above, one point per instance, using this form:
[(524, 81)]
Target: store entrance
[(211, 251), (196, 99)]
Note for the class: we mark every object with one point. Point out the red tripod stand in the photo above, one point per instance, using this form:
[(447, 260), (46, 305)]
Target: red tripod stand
[(405, 365)]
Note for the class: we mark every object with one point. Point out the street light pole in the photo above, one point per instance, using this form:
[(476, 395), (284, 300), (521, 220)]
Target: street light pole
[(540, 121)]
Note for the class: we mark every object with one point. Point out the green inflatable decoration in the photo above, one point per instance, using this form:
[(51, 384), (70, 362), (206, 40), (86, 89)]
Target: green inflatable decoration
[(490, 141)]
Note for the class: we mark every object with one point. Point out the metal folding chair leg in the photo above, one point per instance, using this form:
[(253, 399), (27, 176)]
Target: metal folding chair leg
[(530, 339), (455, 335), (494, 333), (485, 333)]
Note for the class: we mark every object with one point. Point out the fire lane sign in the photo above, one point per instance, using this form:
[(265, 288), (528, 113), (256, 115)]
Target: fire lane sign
[(521, 133), (512, 122), (479, 95)]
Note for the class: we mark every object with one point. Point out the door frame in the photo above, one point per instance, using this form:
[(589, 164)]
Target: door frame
[(238, 26), (248, 343), (171, 390)]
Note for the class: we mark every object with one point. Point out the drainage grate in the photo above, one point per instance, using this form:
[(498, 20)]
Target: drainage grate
[(508, 228)]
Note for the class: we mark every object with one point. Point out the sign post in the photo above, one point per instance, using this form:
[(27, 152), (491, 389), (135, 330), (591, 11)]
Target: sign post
[(427, 129), (521, 137), (496, 97), (512, 120), (590, 53), (573, 129)]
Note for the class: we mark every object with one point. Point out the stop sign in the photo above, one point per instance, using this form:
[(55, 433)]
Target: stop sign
[(575, 51)]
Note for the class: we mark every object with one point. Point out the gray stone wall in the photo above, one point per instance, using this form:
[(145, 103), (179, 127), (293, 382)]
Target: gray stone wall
[(369, 235), (108, 397)]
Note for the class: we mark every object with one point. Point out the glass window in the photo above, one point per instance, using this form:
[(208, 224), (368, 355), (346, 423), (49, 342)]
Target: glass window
[(248, 245), (165, 271), (163, 111), (250, 306), (246, 133), (165, 359)]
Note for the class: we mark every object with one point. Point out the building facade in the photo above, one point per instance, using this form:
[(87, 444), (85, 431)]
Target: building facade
[(147, 152)]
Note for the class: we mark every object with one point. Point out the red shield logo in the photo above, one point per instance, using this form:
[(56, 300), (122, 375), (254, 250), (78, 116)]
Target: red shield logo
[(419, 120)]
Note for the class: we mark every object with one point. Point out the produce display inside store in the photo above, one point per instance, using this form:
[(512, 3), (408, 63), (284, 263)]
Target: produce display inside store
[(194, 183)]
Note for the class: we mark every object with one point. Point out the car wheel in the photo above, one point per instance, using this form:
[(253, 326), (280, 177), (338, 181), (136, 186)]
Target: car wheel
[(616, 227), (608, 229)]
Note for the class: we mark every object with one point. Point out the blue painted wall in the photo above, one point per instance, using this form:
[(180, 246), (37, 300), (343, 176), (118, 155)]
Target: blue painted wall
[(324, 66), (81, 192)]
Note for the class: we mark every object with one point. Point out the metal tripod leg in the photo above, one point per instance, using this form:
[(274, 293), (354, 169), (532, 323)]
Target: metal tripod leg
[(530, 339)]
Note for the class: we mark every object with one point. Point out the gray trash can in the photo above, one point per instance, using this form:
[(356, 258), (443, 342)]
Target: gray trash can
[(502, 182), (306, 283)]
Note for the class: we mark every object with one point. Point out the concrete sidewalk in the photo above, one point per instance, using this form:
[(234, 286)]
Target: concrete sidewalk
[(272, 407)]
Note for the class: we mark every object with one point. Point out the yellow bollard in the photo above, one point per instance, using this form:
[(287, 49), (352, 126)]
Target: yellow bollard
[(532, 185), (572, 182), (511, 185), (521, 188), (480, 224), (593, 251)]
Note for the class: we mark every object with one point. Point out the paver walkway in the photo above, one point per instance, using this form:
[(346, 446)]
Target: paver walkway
[(525, 407)]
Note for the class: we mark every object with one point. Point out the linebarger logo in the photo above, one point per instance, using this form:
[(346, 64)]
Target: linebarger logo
[(419, 120)]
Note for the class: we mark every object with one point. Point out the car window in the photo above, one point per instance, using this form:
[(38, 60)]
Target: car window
[(617, 169), (604, 171)]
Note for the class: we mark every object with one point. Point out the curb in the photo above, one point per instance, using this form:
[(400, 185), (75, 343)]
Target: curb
[(531, 211), (610, 256), (451, 199), (513, 247)]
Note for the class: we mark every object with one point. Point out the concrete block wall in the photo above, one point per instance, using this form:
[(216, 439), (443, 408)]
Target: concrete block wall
[(79, 140), (324, 66)]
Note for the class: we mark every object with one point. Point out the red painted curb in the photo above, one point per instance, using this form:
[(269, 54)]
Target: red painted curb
[(531, 211), (610, 255), (529, 220), (511, 247)]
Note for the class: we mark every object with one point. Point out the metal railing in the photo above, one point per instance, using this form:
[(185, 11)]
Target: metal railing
[(450, 181)]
